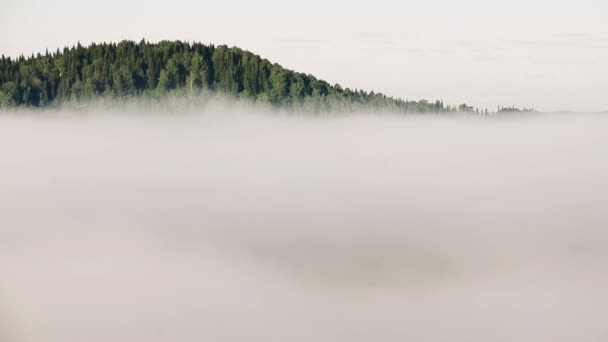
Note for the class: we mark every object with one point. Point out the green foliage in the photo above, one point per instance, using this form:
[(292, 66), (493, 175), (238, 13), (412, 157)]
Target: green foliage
[(130, 69), (8, 94)]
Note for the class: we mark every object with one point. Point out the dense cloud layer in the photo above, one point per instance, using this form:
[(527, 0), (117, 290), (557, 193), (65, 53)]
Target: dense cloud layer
[(251, 227)]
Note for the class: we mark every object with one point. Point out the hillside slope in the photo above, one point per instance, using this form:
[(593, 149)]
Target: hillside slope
[(146, 69)]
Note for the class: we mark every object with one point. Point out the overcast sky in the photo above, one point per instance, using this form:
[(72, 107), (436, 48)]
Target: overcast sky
[(551, 54)]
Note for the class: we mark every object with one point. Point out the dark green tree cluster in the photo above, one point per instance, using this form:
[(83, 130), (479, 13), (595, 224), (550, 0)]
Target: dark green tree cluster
[(133, 69)]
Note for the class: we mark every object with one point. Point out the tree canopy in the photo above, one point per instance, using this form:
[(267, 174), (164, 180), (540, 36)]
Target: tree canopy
[(135, 69)]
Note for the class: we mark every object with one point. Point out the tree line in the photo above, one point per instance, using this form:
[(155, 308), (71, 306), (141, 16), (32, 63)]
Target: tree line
[(154, 69)]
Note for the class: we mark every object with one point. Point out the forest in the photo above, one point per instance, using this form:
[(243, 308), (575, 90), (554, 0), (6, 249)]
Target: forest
[(129, 69)]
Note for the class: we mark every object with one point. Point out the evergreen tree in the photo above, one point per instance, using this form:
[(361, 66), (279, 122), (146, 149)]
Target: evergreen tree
[(129, 68)]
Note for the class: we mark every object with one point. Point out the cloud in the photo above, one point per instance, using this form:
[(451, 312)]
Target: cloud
[(231, 225), (382, 38), (302, 41), (563, 41)]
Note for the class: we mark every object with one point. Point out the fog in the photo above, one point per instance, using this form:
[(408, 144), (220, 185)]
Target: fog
[(230, 225)]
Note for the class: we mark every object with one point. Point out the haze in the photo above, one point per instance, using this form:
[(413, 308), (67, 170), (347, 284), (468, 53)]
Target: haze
[(230, 225), (546, 54)]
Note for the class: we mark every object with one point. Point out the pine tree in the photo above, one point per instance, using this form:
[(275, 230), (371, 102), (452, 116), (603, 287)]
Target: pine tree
[(129, 68)]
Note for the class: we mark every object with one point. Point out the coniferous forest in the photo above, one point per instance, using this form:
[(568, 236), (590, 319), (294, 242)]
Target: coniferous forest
[(129, 69)]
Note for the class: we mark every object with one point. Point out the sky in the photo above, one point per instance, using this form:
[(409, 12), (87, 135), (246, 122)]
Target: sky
[(551, 55)]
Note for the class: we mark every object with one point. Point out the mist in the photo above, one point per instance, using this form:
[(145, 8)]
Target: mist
[(239, 225)]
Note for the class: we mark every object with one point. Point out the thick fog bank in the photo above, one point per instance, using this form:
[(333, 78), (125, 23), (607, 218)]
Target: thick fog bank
[(251, 227)]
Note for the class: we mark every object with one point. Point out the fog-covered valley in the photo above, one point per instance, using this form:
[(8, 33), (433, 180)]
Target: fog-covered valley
[(242, 226)]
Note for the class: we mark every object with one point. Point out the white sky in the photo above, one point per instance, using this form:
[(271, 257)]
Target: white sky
[(549, 54)]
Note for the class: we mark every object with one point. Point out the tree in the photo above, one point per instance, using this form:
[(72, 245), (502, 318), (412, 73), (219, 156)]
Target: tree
[(278, 85), (169, 77), (129, 68), (196, 74), (8, 94)]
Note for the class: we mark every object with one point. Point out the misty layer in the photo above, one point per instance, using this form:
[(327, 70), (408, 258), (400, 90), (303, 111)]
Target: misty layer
[(239, 226)]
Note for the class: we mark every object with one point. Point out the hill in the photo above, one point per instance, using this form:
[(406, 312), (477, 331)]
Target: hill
[(154, 69)]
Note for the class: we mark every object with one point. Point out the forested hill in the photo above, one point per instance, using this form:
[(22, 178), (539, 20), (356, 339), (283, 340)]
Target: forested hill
[(145, 69)]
